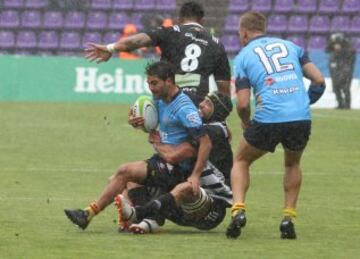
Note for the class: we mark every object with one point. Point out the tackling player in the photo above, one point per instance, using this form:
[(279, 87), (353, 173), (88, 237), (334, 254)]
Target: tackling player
[(274, 69), (216, 197), (195, 53)]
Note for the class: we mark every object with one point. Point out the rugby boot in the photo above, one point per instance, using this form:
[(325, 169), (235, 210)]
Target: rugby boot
[(126, 213), (287, 229), (237, 222), (78, 217), (144, 227)]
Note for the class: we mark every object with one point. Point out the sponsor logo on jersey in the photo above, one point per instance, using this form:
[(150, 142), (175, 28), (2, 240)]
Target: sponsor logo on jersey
[(194, 118)]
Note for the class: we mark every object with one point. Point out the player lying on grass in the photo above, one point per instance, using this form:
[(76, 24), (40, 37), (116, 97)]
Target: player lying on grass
[(179, 121), (209, 210)]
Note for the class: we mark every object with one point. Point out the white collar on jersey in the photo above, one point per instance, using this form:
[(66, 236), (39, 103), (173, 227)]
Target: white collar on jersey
[(193, 23)]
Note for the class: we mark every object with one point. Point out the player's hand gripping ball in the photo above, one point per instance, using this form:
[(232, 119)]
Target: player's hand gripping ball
[(144, 107)]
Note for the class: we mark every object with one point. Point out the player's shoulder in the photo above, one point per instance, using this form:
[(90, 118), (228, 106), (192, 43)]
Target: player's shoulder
[(182, 101)]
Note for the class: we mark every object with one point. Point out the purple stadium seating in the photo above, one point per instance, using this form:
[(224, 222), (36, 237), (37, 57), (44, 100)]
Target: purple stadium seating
[(101, 4), (298, 23), (306, 6), (117, 20), (356, 43), (96, 20), (31, 19), (142, 5), (70, 40), (13, 3), (74, 20), (9, 19), (90, 37), (36, 3), (26, 40), (48, 40), (123, 4), (351, 6), (231, 43), (329, 6), (136, 19), (340, 24), (53, 20), (355, 24), (232, 23), (316, 43), (238, 6), (165, 5), (319, 23), (298, 40), (263, 6), (111, 37), (7, 39), (277, 23), (283, 6)]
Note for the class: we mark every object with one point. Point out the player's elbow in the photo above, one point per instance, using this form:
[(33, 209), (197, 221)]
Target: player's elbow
[(319, 80)]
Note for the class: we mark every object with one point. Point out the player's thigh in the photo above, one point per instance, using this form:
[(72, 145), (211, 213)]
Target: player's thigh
[(134, 171), (295, 135), (247, 152)]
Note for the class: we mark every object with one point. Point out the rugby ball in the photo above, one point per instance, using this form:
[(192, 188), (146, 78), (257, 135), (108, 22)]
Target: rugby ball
[(144, 106)]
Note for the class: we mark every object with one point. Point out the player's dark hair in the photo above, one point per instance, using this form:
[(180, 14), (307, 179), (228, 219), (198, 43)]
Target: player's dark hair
[(192, 10), (161, 69)]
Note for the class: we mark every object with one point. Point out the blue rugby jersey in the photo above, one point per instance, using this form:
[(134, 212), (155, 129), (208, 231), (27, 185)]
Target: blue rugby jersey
[(179, 120), (273, 68)]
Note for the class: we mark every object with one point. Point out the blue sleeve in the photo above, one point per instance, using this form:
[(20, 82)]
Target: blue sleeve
[(241, 79), (189, 118), (303, 56)]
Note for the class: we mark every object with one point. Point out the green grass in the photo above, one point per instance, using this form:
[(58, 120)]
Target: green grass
[(56, 156)]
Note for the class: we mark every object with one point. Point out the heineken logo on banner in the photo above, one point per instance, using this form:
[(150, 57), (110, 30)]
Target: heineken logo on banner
[(91, 80)]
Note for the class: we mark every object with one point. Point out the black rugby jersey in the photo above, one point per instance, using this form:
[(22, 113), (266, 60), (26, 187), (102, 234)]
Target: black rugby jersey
[(195, 53)]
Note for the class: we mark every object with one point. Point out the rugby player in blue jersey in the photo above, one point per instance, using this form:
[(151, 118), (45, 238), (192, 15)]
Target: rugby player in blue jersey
[(179, 121), (273, 68)]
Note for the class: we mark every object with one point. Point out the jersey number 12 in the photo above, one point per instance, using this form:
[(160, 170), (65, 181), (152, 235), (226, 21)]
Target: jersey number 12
[(274, 59)]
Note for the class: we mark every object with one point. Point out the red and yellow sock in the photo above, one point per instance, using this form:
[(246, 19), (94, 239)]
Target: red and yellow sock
[(92, 210), (290, 212), (236, 207)]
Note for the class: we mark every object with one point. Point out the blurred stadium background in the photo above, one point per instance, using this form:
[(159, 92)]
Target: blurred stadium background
[(34, 31)]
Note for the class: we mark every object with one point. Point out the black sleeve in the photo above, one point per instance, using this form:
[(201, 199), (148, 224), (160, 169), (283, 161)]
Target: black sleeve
[(157, 35), (242, 83), (196, 133), (222, 71)]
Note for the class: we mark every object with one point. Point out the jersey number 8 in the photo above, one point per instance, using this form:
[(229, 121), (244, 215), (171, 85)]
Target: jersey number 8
[(190, 62)]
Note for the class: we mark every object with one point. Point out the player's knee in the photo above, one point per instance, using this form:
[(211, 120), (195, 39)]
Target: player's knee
[(122, 172)]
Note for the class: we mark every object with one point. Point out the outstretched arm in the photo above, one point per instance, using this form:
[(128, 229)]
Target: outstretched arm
[(102, 53)]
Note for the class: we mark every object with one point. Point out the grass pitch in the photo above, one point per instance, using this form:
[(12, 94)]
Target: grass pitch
[(56, 156)]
